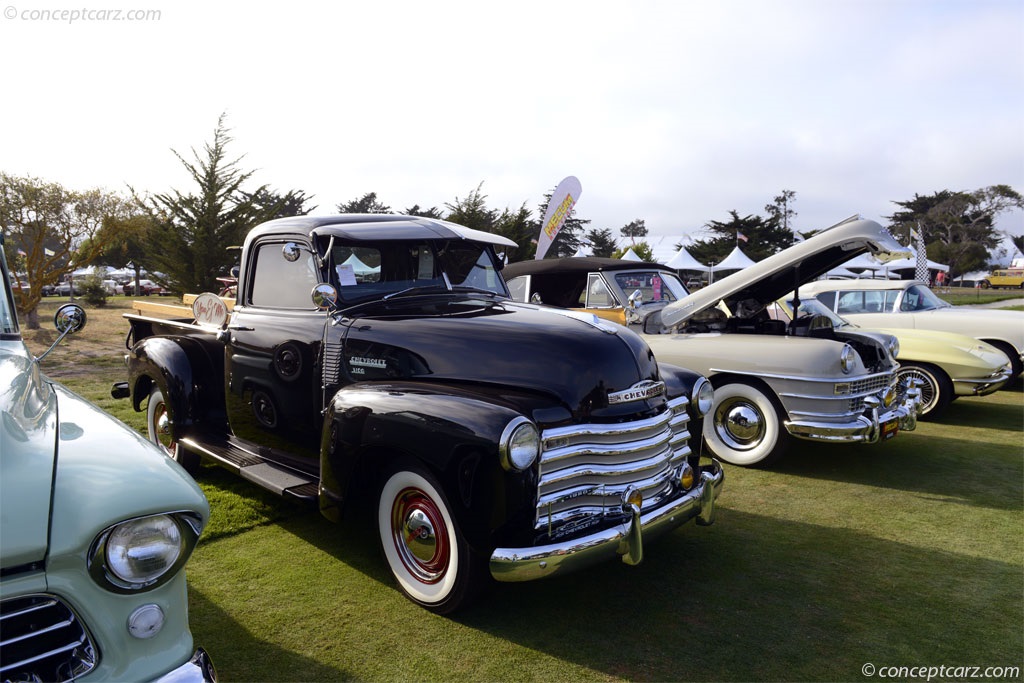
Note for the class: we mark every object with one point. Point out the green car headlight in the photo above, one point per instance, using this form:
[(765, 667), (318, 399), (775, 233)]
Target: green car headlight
[(143, 552)]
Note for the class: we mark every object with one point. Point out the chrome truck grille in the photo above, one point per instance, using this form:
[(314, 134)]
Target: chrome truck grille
[(584, 469), (41, 639)]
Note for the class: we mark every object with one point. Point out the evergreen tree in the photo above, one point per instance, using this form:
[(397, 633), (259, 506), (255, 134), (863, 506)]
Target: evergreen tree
[(763, 238), (634, 229), (602, 243), (366, 204), (192, 233)]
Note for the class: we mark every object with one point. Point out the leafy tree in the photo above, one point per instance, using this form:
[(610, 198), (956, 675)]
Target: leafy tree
[(192, 234), (957, 227), (126, 240), (764, 238), (366, 204), (641, 249), (601, 242), (781, 209), (50, 231), (634, 229)]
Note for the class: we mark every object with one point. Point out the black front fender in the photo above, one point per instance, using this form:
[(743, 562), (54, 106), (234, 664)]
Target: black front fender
[(371, 428)]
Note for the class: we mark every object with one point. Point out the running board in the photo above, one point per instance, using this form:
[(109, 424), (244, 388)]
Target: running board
[(280, 480)]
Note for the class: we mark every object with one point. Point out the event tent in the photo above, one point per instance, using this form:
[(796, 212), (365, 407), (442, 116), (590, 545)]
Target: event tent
[(684, 261), (630, 255)]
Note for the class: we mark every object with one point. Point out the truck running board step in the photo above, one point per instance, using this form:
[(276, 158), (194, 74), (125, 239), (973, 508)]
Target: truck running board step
[(282, 481)]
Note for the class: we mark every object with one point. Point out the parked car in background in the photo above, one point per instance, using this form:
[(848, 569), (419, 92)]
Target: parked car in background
[(96, 526), (946, 365), (772, 380), (613, 289), (911, 304), (146, 288)]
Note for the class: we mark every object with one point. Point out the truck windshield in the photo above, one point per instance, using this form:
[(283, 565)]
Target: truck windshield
[(370, 272)]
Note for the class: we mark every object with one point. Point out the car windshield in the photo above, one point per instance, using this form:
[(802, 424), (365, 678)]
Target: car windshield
[(811, 306), (362, 273), (653, 285), (920, 298)]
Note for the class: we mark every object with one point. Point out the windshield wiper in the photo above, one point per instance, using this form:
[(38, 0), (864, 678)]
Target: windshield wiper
[(414, 290), (475, 290)]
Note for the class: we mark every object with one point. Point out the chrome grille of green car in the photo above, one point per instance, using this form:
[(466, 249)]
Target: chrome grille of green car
[(584, 469), (41, 639)]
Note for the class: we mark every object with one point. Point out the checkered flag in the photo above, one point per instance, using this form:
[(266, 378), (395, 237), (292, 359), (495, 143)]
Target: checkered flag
[(921, 267)]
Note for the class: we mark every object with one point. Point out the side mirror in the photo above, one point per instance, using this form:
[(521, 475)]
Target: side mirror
[(291, 252), (324, 296), (637, 297), (68, 319), (652, 323)]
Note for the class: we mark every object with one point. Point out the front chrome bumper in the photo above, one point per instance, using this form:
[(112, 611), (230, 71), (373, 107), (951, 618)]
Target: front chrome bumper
[(199, 669), (982, 386), (874, 424), (624, 540)]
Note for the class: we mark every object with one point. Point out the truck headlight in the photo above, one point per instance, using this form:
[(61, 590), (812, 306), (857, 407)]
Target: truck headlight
[(702, 397), (140, 553), (520, 445), (846, 358)]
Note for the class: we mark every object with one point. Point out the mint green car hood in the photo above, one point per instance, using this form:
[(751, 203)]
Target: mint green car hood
[(28, 438)]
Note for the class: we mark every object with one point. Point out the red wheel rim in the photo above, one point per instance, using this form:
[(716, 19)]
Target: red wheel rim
[(420, 535)]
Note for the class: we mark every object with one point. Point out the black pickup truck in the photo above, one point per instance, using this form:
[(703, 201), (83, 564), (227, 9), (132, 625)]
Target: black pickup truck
[(378, 360)]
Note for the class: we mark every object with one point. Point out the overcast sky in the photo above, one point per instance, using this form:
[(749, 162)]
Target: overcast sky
[(674, 112)]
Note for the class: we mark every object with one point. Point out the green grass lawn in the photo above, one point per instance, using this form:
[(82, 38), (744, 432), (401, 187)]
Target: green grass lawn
[(908, 553)]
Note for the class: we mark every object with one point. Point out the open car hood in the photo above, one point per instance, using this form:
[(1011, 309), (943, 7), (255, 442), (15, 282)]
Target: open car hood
[(754, 287)]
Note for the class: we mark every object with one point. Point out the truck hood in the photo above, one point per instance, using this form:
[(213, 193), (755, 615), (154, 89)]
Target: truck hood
[(754, 287), (503, 344), (28, 437)]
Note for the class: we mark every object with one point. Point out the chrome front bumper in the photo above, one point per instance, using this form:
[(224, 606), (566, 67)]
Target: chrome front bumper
[(874, 424), (624, 540), (199, 669), (982, 386)]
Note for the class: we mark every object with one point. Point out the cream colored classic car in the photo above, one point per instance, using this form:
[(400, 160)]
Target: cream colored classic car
[(911, 304), (945, 365), (773, 380)]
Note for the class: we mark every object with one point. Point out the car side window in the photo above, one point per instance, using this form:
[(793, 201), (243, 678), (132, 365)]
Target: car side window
[(279, 283), (829, 299), (518, 287), (598, 295), (851, 302)]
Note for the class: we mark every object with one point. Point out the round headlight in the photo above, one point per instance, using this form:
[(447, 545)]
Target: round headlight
[(520, 444), (702, 397), (894, 347), (140, 551), (846, 358)]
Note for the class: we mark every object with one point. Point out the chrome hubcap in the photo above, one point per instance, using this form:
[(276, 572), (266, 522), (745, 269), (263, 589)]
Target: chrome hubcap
[(929, 392), (163, 430), (739, 424), (420, 535)]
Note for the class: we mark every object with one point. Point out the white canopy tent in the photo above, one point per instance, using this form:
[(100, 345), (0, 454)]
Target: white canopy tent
[(684, 261), (736, 260), (630, 255)]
